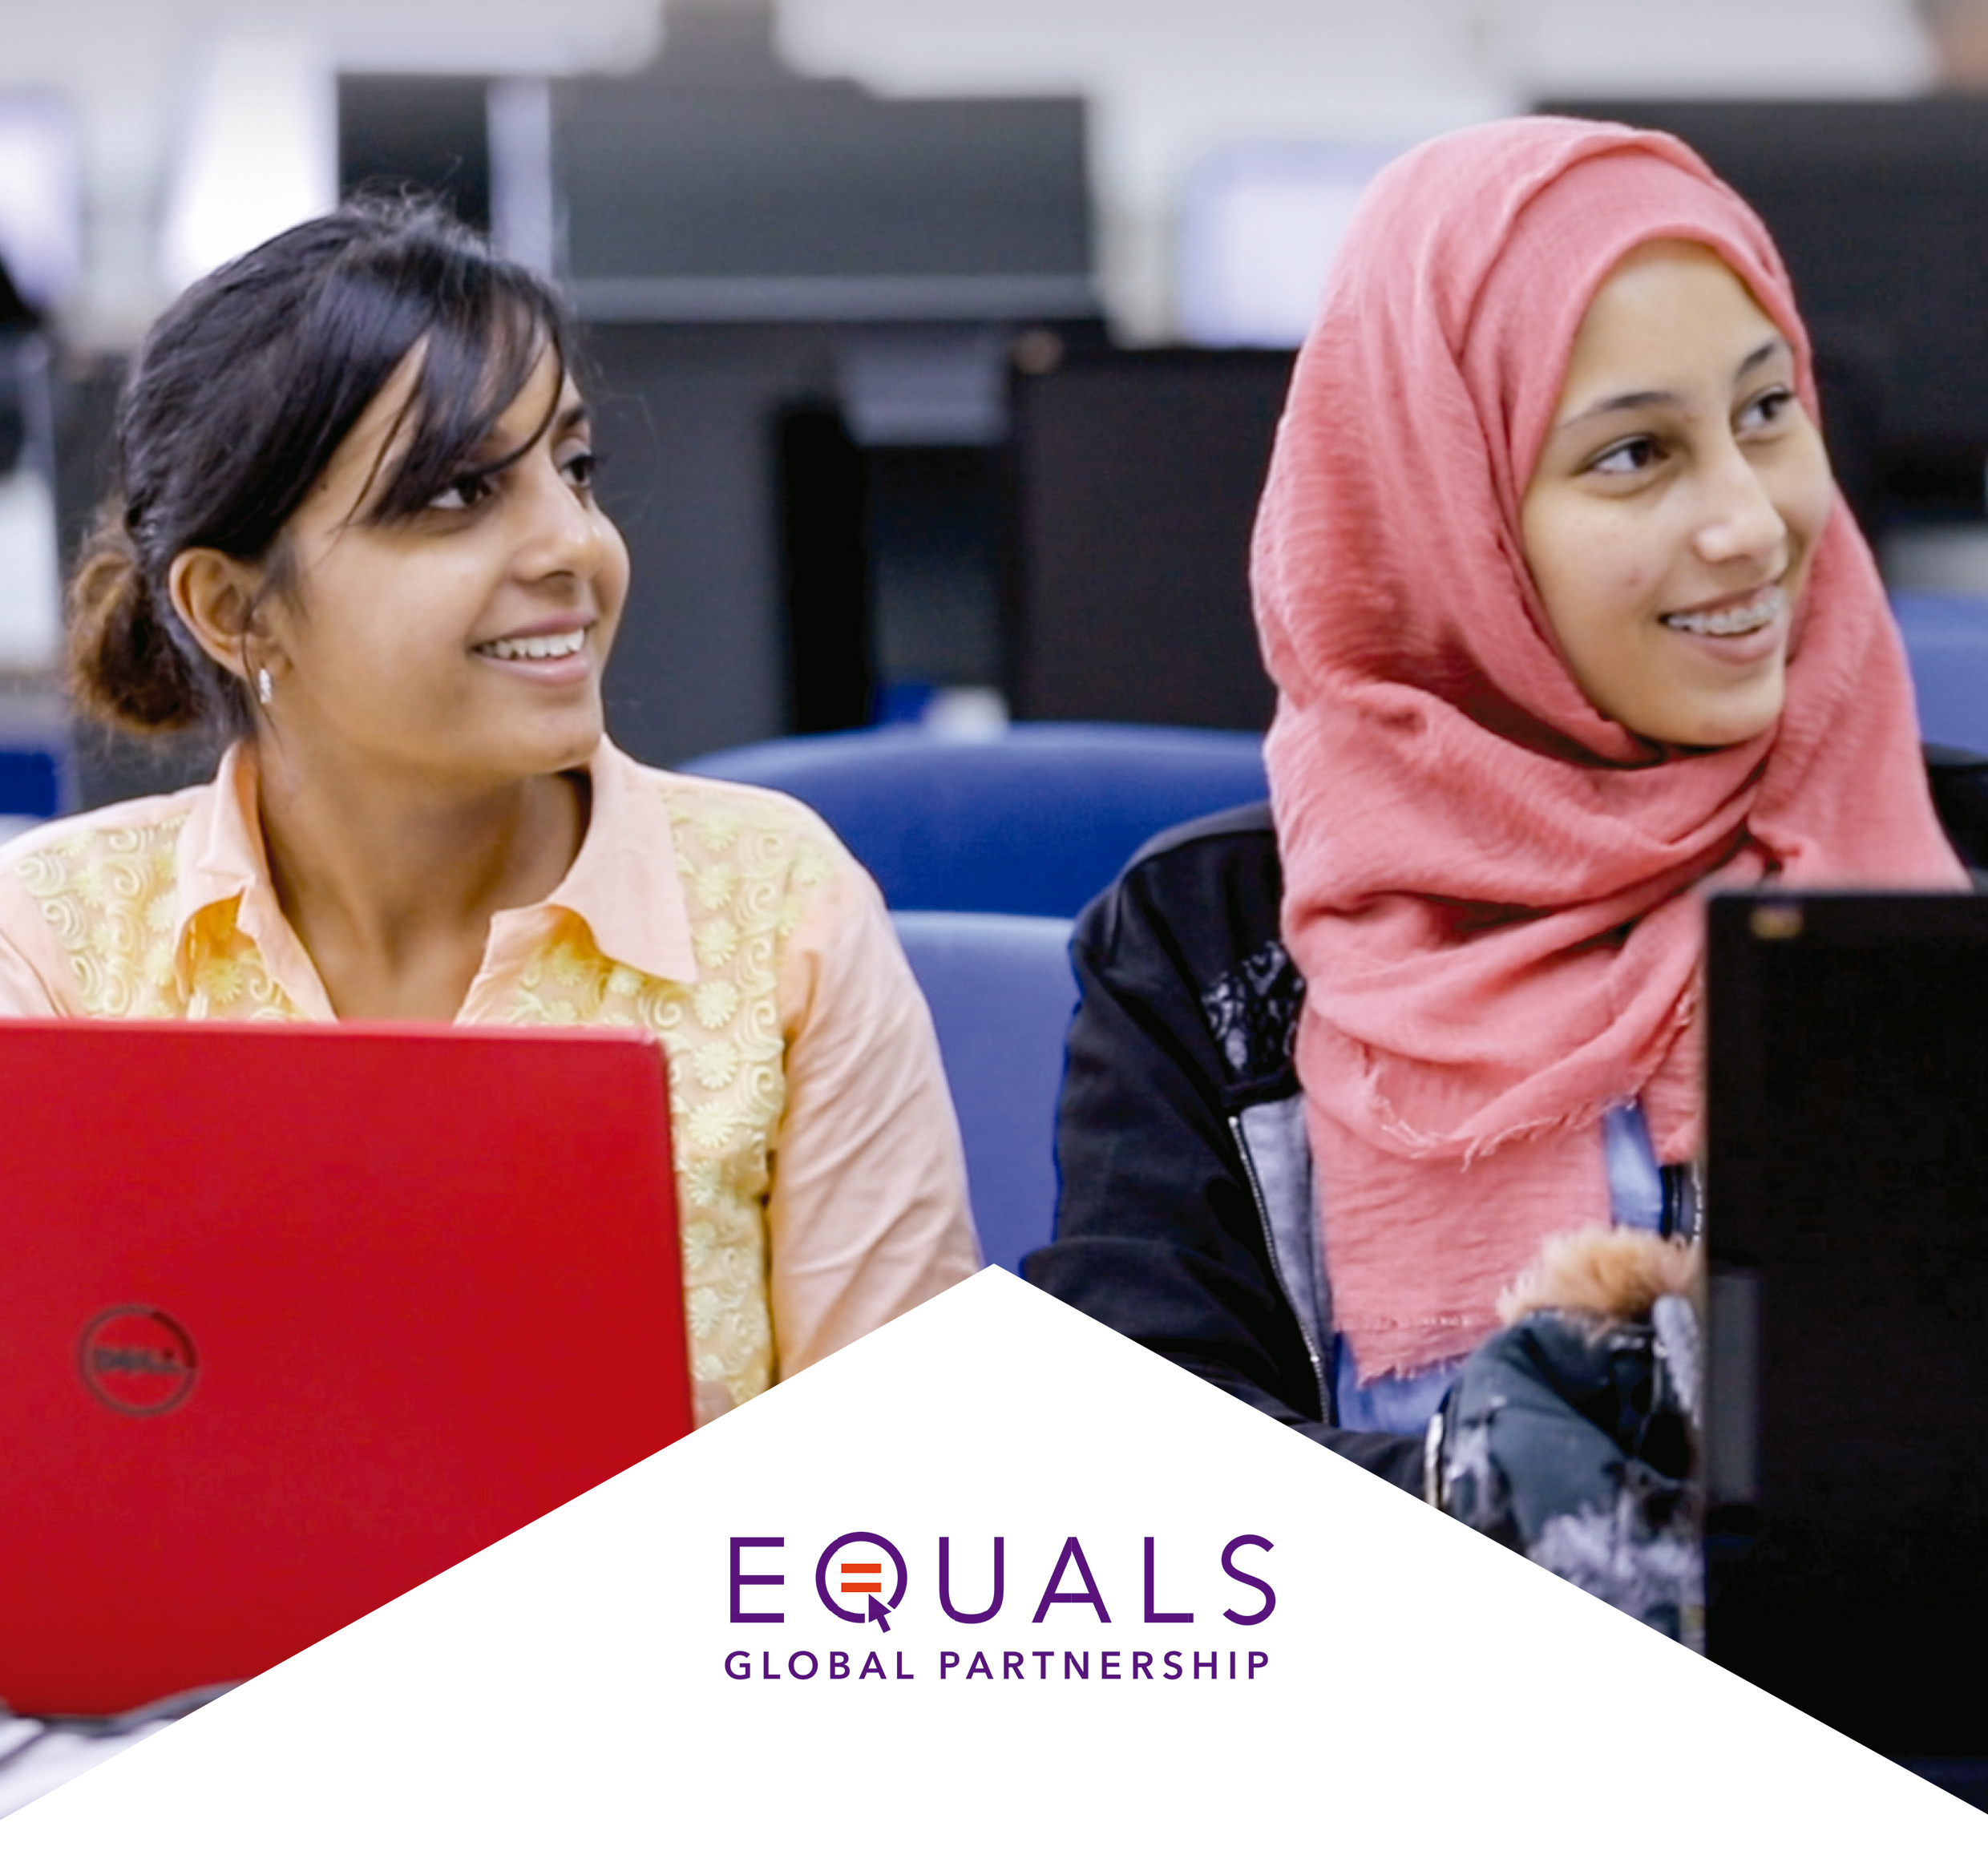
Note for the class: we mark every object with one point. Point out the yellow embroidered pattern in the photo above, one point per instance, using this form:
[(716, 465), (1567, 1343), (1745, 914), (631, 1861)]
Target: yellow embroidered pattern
[(748, 864), (108, 894)]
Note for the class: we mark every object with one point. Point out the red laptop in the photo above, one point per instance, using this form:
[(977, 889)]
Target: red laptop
[(293, 1320)]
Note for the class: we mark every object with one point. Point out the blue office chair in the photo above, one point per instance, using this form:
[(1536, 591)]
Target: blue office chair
[(1002, 996), (36, 779), (30, 783), (1037, 820), (1946, 641)]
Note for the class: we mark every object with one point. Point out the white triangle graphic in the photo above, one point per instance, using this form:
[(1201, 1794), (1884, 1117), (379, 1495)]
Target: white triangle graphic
[(1422, 1692)]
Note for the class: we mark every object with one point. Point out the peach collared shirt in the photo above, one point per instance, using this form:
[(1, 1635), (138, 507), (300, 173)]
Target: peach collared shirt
[(820, 1182)]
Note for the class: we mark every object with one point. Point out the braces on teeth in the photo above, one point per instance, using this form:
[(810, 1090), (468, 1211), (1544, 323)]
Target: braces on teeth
[(536, 646), (1756, 614)]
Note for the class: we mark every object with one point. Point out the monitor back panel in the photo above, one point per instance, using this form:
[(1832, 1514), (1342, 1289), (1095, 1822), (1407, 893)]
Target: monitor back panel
[(1848, 1214), (291, 1320), (1136, 478)]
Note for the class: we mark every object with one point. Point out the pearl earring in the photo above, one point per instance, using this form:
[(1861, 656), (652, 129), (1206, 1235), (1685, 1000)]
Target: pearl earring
[(265, 686)]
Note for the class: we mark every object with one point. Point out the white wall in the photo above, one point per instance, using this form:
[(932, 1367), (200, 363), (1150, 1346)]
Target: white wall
[(1170, 79)]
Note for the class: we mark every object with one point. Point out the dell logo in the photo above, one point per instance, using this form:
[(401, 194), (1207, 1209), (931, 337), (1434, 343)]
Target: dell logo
[(136, 1360)]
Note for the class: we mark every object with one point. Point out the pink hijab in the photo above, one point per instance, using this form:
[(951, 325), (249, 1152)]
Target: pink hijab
[(1492, 890)]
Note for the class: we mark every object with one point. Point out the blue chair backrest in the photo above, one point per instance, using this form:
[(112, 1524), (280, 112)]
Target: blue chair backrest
[(30, 783), (1946, 641), (1037, 820), (36, 775), (1002, 996)]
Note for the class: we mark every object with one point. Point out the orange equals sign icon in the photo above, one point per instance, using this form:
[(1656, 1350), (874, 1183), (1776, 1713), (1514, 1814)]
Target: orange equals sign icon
[(862, 1584)]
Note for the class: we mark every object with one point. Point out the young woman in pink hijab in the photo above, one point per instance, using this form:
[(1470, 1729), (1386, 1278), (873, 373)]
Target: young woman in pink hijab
[(1570, 625)]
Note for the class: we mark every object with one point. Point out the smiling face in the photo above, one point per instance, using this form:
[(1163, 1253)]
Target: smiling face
[(463, 644), (1670, 521)]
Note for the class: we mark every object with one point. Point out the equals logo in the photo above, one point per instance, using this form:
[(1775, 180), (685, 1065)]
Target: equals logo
[(856, 1592)]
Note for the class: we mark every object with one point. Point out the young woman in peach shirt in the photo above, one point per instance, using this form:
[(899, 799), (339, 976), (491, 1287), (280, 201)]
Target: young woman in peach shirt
[(354, 532)]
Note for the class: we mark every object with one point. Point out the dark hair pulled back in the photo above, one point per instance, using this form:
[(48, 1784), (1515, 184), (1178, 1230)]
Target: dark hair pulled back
[(243, 392)]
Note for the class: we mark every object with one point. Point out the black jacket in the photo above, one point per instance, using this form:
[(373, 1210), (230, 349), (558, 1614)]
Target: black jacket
[(1185, 1219)]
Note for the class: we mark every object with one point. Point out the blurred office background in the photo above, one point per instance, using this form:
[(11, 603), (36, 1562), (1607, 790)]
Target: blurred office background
[(939, 343)]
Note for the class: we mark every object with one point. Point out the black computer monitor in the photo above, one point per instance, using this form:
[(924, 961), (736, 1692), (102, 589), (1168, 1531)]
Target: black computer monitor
[(682, 201), (1136, 479), (1847, 1201), (400, 130)]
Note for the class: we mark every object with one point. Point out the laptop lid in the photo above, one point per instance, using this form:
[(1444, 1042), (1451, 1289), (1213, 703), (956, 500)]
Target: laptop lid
[(1847, 1208), (292, 1320)]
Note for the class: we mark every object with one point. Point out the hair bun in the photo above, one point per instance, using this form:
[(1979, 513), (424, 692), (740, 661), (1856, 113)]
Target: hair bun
[(126, 668)]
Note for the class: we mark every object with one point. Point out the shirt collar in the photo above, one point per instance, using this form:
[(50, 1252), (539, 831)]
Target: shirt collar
[(220, 845), (623, 882)]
